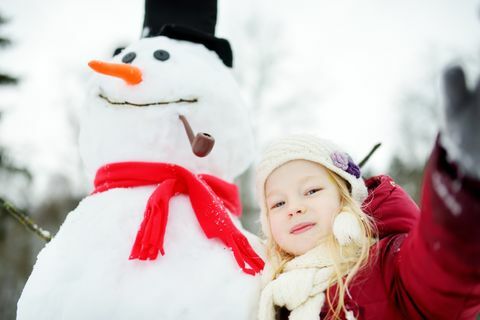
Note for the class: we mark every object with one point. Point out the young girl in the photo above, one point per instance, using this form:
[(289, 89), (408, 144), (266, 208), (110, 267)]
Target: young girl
[(342, 248)]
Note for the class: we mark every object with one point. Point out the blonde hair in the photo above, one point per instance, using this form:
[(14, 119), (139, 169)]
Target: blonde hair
[(347, 259)]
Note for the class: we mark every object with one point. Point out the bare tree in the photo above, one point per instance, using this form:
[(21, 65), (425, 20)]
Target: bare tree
[(421, 118), (259, 54)]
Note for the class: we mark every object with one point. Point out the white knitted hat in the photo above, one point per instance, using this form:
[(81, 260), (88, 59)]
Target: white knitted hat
[(312, 148)]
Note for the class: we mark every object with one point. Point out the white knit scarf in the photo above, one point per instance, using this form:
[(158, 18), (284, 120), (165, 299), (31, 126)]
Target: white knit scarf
[(300, 287)]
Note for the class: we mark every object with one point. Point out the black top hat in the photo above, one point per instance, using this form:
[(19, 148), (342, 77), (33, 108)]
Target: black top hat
[(189, 20)]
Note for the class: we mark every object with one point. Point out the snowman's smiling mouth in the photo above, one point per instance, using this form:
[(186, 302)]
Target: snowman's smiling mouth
[(125, 103)]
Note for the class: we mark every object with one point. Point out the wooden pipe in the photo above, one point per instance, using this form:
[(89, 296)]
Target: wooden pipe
[(202, 143)]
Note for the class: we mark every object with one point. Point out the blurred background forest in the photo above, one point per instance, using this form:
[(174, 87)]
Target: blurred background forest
[(356, 73)]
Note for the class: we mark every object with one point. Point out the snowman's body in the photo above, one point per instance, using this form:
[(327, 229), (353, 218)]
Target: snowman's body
[(85, 271)]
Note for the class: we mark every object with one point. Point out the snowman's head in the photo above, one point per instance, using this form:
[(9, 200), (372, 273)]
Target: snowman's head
[(133, 109)]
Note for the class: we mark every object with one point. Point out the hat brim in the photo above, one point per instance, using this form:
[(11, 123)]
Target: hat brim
[(178, 32)]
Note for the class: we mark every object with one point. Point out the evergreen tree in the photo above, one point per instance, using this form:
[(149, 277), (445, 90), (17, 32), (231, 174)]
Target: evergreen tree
[(15, 244), (5, 79)]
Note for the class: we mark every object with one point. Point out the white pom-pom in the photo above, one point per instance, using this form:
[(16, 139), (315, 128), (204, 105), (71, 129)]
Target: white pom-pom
[(346, 228)]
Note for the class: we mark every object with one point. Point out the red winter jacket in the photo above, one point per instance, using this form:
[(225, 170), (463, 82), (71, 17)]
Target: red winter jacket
[(426, 264)]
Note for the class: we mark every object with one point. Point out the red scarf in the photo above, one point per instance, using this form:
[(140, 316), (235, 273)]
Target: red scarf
[(210, 198)]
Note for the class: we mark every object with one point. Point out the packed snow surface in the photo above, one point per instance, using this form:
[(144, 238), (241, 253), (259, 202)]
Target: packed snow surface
[(85, 271)]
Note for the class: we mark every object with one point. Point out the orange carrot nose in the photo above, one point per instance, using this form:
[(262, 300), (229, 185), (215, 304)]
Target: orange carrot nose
[(131, 74)]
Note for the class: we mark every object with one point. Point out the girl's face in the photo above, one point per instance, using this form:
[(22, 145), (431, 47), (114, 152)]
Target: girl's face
[(302, 201)]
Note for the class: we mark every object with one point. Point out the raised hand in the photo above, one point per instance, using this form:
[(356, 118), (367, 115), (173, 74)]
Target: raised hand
[(461, 133)]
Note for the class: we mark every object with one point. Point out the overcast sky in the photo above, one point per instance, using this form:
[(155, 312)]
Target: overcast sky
[(353, 59)]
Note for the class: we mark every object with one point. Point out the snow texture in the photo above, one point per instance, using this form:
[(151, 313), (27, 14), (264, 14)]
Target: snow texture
[(112, 133), (84, 272)]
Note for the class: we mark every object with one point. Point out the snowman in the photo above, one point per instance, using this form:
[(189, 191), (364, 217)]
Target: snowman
[(158, 237)]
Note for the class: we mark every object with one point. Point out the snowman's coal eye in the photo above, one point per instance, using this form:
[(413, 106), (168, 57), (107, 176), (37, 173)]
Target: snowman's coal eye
[(129, 57), (118, 51), (161, 55)]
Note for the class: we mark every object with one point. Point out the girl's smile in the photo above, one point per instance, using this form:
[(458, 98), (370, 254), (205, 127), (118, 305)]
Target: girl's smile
[(302, 227)]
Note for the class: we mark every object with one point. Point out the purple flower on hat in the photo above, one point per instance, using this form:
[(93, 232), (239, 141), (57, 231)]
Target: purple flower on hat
[(344, 161), (353, 169), (340, 160)]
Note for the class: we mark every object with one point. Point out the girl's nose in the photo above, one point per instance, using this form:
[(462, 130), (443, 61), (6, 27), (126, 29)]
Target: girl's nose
[(298, 210)]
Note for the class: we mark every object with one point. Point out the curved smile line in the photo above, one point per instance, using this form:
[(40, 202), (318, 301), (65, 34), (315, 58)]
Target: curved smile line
[(147, 104)]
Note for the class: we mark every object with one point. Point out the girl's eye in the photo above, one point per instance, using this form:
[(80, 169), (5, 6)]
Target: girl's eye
[(278, 204), (312, 191)]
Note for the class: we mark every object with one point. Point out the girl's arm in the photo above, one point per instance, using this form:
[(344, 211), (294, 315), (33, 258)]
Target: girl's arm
[(438, 265)]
